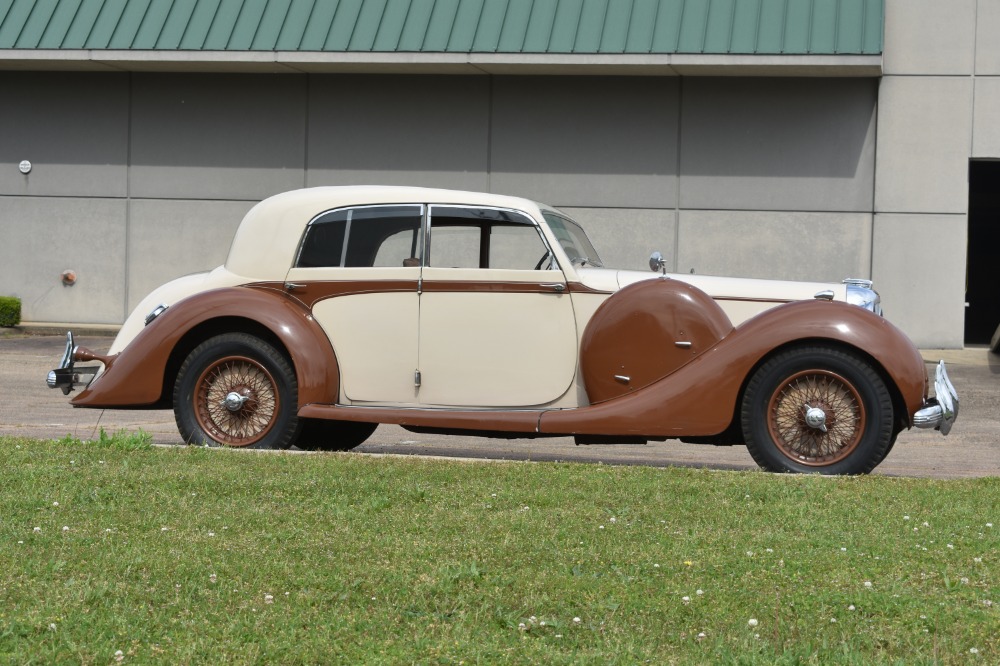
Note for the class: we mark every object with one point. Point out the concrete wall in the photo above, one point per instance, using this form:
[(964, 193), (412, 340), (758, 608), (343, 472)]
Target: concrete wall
[(938, 106), (142, 177)]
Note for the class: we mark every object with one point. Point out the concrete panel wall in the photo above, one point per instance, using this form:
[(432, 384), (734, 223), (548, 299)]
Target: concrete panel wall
[(586, 141), (73, 128), (214, 136), (625, 237), (927, 304), (778, 144), (428, 131), (925, 130), (44, 236), (775, 245), (927, 37), (987, 44), (986, 117), (170, 238)]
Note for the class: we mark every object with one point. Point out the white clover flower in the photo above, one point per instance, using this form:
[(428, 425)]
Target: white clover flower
[(55, 504), (843, 550), (268, 599), (52, 626), (600, 527), (965, 581), (212, 578), (699, 592), (973, 650), (749, 553), (769, 550), (613, 519), (701, 635), (656, 566), (833, 620), (577, 620), (164, 529), (989, 524), (532, 619), (926, 524), (851, 607), (951, 546), (987, 603), (522, 626), (542, 623), (36, 529), (906, 517), (977, 560), (686, 599), (868, 584), (752, 622), (211, 534), (119, 655), (65, 528)]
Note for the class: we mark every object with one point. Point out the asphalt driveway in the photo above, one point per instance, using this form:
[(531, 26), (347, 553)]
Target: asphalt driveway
[(29, 408)]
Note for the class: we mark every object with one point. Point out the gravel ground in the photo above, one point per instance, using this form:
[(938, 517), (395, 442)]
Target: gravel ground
[(29, 408)]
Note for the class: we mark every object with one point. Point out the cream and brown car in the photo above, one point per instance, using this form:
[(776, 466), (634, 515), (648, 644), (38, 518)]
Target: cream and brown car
[(340, 308)]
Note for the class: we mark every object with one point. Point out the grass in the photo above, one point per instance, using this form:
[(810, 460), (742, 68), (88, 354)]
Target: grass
[(188, 555)]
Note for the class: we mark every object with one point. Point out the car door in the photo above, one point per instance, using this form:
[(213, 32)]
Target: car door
[(496, 321), (358, 270)]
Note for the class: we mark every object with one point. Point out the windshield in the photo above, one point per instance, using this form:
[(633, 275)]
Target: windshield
[(573, 239)]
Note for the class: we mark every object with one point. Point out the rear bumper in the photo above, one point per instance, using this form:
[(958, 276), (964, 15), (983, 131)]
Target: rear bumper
[(939, 412)]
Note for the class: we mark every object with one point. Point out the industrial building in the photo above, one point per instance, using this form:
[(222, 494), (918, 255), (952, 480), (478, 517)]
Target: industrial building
[(790, 139)]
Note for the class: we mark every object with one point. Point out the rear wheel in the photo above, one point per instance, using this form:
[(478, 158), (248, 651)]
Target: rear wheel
[(236, 390), (817, 409), (325, 435)]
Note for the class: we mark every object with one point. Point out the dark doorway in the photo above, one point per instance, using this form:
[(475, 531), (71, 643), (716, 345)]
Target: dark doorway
[(982, 290)]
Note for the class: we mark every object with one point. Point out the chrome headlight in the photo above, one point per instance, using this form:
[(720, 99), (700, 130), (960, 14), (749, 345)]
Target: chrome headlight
[(860, 293)]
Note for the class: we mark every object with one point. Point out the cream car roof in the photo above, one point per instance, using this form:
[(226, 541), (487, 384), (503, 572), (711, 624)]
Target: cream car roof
[(269, 234)]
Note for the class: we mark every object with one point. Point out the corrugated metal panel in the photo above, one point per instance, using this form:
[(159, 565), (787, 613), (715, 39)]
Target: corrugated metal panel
[(434, 26)]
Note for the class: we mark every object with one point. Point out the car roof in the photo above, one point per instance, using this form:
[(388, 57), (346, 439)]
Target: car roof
[(270, 232)]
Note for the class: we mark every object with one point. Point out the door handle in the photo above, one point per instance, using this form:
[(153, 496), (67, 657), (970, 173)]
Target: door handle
[(554, 286)]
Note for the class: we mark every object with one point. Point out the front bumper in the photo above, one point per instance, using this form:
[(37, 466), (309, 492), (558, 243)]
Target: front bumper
[(940, 411)]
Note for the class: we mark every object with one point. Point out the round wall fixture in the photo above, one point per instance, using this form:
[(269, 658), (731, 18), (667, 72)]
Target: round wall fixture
[(69, 278), (25, 167)]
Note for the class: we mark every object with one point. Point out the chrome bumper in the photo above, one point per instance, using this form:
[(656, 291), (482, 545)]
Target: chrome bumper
[(940, 411)]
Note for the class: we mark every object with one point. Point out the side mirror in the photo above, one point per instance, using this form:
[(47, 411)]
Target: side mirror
[(657, 263)]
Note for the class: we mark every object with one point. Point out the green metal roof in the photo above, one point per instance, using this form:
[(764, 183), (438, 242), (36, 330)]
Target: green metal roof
[(736, 27)]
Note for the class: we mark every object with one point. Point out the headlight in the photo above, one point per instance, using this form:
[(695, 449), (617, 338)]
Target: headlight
[(860, 292)]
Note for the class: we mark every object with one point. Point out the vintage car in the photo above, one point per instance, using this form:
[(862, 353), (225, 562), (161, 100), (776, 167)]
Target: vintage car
[(340, 308)]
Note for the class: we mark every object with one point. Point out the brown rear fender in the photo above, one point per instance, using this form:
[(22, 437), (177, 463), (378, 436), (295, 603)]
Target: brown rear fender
[(699, 398), (138, 376)]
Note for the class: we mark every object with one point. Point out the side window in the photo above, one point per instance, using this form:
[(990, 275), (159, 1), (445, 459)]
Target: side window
[(363, 237), (484, 238)]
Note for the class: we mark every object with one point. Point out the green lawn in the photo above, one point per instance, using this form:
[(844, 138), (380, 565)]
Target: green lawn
[(188, 555)]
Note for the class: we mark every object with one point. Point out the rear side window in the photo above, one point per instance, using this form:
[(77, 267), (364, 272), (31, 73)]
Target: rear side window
[(363, 237)]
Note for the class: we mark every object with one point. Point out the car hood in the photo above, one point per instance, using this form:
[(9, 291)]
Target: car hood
[(741, 298)]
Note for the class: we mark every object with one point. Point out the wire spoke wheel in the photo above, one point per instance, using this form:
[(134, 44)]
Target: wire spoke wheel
[(817, 409), (238, 391), (824, 395), (236, 401)]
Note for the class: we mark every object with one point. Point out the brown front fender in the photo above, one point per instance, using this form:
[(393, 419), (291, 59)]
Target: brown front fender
[(136, 377), (699, 399)]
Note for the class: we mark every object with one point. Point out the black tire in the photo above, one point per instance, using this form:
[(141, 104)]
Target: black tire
[(855, 411), (260, 379), (325, 435)]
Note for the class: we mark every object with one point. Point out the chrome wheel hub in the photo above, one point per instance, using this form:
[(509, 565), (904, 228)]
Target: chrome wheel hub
[(234, 401), (815, 418)]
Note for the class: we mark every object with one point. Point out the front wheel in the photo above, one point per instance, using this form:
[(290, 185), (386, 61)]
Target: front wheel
[(817, 409), (236, 390)]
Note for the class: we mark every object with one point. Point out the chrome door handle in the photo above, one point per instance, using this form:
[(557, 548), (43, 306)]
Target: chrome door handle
[(291, 286), (554, 286)]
